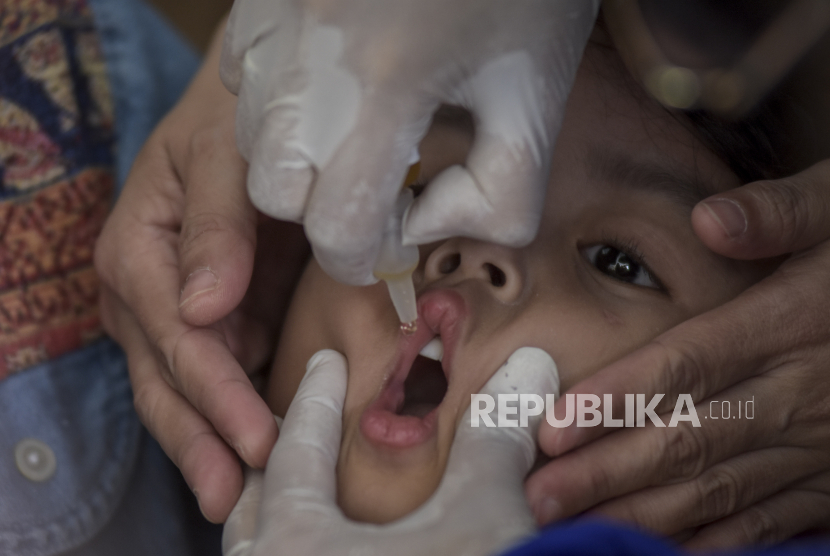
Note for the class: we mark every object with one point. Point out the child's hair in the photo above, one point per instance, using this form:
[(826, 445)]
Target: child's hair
[(757, 147)]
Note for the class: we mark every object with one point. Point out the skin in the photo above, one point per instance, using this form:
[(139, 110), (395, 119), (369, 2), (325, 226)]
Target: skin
[(185, 208), (553, 296)]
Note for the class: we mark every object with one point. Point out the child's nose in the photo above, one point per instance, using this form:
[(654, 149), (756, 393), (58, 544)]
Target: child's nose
[(460, 259)]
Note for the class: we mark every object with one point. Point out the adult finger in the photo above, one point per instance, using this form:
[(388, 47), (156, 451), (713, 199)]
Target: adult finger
[(472, 200), (248, 22), (515, 134), (501, 454), (719, 492), (498, 457), (767, 218), (205, 371), (352, 199), (303, 460), (200, 365), (636, 458), (761, 330), (197, 362), (218, 230), (207, 463), (773, 520)]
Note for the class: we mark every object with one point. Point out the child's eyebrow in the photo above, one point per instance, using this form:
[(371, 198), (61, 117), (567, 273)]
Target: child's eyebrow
[(618, 169)]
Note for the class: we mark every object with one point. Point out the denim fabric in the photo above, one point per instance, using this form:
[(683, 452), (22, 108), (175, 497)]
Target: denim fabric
[(80, 405), (113, 492), (148, 66)]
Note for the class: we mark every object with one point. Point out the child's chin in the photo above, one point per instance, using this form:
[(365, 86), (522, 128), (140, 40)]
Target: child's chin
[(370, 497)]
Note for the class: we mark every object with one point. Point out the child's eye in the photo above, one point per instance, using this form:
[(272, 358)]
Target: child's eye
[(620, 265)]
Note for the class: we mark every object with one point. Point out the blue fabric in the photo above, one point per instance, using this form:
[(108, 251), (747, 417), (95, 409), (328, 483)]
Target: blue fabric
[(600, 538), (148, 66), (114, 492)]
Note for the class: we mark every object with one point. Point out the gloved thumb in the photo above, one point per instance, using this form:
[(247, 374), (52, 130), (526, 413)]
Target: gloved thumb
[(240, 528), (487, 465), (239, 531), (767, 218), (486, 454), (302, 464), (518, 101)]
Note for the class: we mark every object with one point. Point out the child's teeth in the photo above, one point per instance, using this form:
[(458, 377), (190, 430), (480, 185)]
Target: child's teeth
[(434, 349)]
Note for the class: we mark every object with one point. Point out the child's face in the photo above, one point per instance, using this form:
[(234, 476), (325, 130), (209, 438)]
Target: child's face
[(615, 263)]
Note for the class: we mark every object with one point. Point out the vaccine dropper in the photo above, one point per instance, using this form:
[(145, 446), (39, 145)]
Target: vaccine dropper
[(397, 261)]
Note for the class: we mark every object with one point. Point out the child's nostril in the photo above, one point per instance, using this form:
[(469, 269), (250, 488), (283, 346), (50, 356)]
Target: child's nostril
[(497, 276), (449, 264)]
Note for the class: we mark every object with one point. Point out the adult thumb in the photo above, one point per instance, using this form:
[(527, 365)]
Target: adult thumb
[(767, 218), (487, 451), (218, 231)]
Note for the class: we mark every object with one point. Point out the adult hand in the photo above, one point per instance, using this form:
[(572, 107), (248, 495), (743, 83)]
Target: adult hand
[(335, 96), (176, 255), (731, 481), (478, 508)]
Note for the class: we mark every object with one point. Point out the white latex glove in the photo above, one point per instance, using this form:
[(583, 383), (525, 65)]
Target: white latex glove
[(479, 508), (335, 96)]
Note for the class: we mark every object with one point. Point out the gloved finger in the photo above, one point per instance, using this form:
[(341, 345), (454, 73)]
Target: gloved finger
[(773, 520), (473, 200), (209, 466), (240, 528), (514, 139), (486, 466), (292, 121), (218, 230), (344, 245), (502, 454), (248, 22), (635, 458), (281, 175), (719, 492), (303, 461), (767, 218)]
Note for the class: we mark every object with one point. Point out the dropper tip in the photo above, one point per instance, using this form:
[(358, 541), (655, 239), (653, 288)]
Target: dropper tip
[(409, 328)]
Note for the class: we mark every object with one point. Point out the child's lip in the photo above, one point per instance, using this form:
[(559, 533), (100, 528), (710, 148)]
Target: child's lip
[(440, 313)]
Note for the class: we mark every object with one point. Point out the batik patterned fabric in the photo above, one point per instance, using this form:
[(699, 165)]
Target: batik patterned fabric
[(56, 178)]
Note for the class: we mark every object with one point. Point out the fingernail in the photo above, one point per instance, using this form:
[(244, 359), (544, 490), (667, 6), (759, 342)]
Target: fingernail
[(240, 451), (729, 215), (200, 281), (547, 510)]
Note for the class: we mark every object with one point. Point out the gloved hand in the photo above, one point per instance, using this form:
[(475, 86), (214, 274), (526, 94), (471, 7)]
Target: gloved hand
[(479, 507), (335, 96)]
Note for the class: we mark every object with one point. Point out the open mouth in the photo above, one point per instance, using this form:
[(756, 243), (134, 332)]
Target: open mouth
[(424, 388), (405, 412)]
